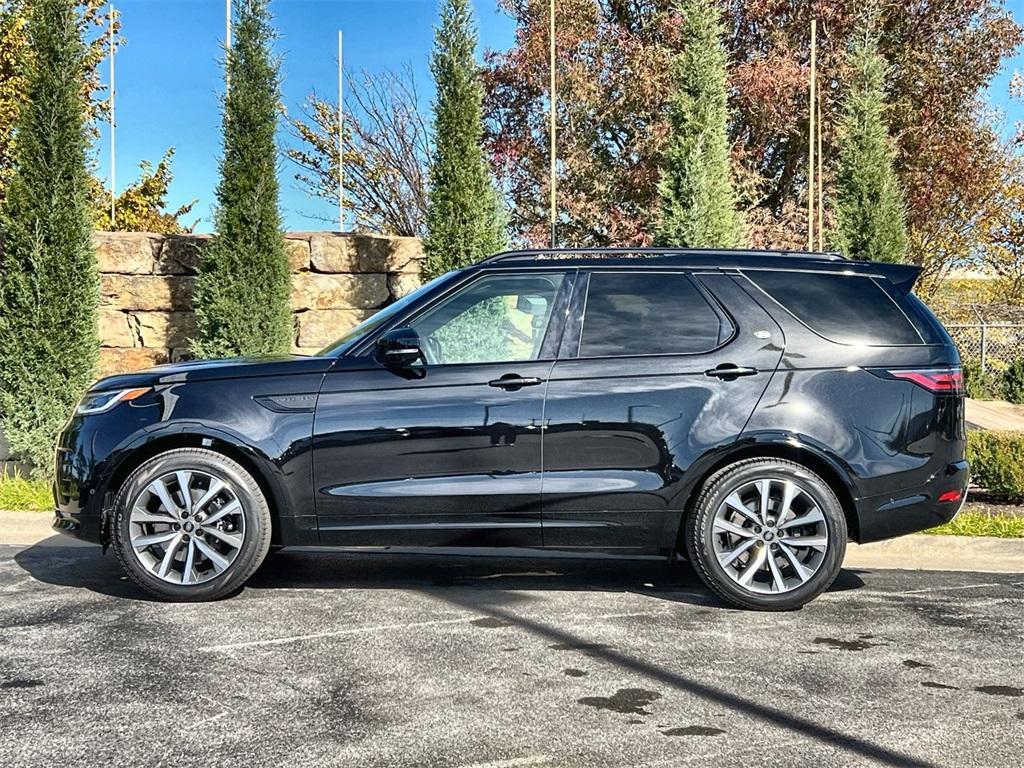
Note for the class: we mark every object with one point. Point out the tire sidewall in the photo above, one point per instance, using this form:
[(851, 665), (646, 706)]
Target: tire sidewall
[(700, 534), (255, 512)]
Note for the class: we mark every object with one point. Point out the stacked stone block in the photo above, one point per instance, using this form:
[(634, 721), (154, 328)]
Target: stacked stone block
[(146, 315)]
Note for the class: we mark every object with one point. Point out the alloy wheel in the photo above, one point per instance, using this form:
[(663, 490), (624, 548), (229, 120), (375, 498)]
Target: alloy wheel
[(769, 535), (187, 526)]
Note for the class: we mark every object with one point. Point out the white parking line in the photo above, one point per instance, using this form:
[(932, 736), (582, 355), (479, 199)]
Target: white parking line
[(409, 625), (945, 589), (513, 762), (337, 633)]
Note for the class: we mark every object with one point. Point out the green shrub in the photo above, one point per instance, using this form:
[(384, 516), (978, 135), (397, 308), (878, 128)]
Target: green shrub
[(698, 203), (49, 287), (241, 295), (982, 385), (1013, 381), (974, 523), (869, 205), (465, 218), (997, 462), (18, 492)]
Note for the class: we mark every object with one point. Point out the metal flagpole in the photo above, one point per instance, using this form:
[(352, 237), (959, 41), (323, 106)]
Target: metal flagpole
[(113, 144), (554, 102), (810, 141), (821, 184), (341, 139)]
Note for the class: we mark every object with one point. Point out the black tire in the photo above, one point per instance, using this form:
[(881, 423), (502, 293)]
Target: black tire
[(700, 535), (255, 512)]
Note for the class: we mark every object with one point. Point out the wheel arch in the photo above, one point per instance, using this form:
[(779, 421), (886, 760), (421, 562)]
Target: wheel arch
[(830, 469), (133, 456)]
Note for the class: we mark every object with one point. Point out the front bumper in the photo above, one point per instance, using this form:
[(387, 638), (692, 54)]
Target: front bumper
[(79, 526), (885, 517)]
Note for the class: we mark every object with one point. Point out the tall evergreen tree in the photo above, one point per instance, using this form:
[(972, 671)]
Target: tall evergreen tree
[(465, 220), (698, 205), (244, 279), (871, 218), (48, 279)]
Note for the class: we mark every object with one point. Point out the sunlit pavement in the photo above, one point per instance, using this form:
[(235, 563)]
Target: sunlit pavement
[(334, 659)]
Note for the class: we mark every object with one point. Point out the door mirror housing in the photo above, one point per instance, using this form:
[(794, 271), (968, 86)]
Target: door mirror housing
[(399, 347)]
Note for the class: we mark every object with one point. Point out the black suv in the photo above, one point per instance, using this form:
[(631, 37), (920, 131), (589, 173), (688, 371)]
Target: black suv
[(749, 411)]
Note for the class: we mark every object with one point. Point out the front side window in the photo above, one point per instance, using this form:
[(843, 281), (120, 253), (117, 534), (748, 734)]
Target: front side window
[(375, 321), (652, 313), (498, 318)]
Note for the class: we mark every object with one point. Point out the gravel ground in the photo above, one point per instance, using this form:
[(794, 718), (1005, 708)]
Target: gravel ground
[(378, 660)]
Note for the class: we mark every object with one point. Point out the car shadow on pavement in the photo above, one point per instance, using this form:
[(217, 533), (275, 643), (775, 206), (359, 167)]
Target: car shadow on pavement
[(861, 750), (318, 569)]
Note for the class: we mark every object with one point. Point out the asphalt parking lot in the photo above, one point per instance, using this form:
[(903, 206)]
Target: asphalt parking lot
[(346, 660)]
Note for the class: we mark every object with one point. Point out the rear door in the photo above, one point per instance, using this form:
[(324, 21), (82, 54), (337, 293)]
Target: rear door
[(657, 369)]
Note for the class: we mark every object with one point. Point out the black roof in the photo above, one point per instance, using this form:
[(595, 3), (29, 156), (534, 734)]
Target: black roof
[(668, 257), (902, 275)]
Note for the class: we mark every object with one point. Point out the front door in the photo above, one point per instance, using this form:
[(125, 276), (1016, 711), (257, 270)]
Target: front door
[(656, 376), (446, 452)]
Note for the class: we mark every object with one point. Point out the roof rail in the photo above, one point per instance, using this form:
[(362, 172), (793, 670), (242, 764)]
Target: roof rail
[(533, 253)]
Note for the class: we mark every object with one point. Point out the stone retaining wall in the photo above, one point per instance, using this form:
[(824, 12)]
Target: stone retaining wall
[(147, 280)]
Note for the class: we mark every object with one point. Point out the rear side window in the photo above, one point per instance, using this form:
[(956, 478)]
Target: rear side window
[(648, 314), (849, 309)]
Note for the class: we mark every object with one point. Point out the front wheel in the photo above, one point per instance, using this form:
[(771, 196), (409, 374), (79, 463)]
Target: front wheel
[(191, 524), (767, 534)]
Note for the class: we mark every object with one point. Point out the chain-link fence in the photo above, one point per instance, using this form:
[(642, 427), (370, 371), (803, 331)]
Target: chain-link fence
[(992, 346), (989, 336)]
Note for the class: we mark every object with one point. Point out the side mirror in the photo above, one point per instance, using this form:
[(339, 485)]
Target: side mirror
[(399, 346)]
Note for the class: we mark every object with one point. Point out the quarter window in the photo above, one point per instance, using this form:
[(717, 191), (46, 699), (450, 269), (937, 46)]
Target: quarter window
[(849, 309), (648, 314)]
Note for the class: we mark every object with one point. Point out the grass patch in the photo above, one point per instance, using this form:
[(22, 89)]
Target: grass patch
[(970, 523), (20, 493)]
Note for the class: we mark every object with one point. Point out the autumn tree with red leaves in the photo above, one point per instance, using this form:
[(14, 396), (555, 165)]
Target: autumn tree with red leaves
[(613, 83)]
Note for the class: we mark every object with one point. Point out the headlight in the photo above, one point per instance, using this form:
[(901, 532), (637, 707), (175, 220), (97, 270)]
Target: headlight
[(98, 402)]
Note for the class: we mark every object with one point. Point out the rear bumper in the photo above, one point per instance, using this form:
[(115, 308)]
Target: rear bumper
[(885, 517)]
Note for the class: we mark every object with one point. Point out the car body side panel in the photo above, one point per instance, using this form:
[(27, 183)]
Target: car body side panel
[(897, 441), (267, 419), (429, 455), (622, 434)]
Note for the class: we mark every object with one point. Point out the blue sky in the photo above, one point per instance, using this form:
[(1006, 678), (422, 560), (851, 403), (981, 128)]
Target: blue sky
[(169, 79)]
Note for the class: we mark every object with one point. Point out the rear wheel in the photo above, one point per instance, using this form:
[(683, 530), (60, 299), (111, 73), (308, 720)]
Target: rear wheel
[(191, 524), (767, 534)]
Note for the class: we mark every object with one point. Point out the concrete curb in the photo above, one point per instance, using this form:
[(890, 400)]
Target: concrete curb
[(26, 529), (921, 552), (914, 553)]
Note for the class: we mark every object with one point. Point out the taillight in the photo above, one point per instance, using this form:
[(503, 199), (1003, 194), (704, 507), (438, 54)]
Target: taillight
[(939, 380)]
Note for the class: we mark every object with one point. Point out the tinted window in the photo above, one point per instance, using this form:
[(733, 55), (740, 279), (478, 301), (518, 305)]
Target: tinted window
[(647, 314), (500, 318), (849, 309)]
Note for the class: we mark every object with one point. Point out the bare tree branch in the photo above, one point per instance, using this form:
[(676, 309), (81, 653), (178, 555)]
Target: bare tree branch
[(387, 146)]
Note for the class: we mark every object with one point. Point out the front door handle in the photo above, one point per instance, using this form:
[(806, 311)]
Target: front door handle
[(730, 372), (512, 382)]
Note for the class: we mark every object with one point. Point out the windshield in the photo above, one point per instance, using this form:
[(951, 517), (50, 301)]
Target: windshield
[(346, 342)]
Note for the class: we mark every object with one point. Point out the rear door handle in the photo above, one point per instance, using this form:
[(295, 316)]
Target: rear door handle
[(729, 372), (512, 382)]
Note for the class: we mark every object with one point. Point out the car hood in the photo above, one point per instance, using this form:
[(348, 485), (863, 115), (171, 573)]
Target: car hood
[(206, 370)]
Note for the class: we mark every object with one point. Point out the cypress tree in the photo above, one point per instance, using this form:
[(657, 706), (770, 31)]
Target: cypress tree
[(465, 220), (871, 219), (48, 278), (698, 205), (244, 279)]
